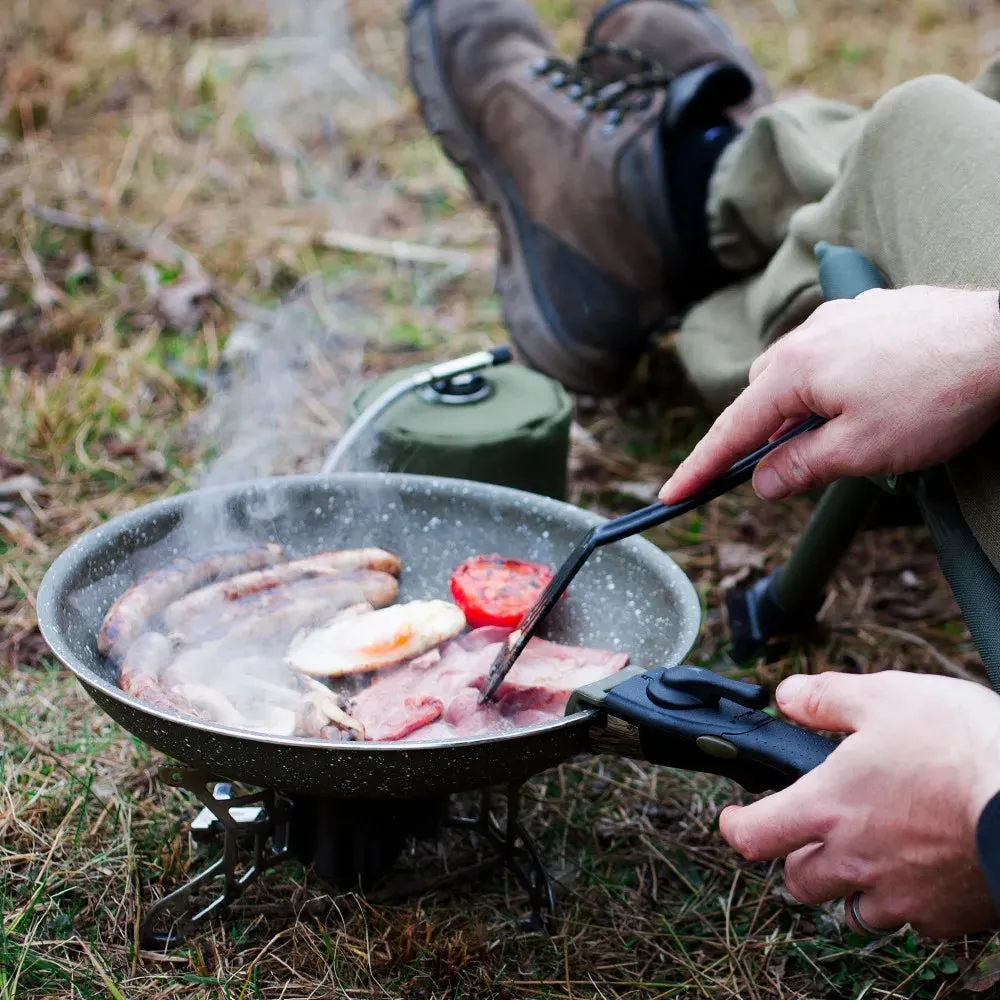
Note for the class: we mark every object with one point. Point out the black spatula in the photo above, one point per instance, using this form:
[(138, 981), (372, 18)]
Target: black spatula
[(614, 531)]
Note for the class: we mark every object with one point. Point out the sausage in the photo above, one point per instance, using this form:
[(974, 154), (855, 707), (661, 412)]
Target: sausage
[(130, 615), (285, 610), (141, 672), (218, 595)]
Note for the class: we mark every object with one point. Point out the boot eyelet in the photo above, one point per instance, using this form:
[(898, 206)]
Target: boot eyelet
[(575, 92), (538, 68), (557, 80), (613, 119)]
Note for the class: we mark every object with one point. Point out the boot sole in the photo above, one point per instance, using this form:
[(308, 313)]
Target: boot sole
[(527, 313)]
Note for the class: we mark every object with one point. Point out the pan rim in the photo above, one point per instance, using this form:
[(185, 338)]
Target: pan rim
[(69, 559)]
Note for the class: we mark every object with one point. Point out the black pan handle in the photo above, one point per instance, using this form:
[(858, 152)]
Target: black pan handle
[(692, 719)]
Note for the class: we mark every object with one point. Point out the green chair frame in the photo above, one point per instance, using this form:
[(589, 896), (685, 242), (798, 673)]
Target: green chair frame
[(787, 601)]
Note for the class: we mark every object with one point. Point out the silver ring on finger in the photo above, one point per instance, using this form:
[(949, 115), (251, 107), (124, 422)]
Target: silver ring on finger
[(854, 908)]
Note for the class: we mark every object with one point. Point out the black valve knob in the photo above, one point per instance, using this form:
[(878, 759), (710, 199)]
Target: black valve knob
[(696, 687)]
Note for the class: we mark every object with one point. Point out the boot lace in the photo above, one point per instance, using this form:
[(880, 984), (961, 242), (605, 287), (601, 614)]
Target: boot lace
[(633, 92)]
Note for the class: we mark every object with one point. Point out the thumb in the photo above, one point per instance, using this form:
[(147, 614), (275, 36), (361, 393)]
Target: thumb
[(834, 702), (813, 459)]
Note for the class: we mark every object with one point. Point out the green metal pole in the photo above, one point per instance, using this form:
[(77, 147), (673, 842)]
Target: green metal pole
[(841, 513)]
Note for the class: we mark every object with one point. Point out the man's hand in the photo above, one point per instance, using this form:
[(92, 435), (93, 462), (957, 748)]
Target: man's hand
[(892, 812), (906, 378)]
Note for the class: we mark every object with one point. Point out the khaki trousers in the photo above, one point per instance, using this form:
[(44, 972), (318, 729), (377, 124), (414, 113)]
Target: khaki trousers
[(914, 183)]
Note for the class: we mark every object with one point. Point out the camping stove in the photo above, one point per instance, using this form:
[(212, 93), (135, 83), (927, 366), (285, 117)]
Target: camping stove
[(353, 845)]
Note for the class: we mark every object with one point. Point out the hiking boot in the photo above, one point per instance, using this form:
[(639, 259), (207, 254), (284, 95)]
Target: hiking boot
[(677, 35), (575, 177)]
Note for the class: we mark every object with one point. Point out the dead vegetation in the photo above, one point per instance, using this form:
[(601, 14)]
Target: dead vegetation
[(152, 216)]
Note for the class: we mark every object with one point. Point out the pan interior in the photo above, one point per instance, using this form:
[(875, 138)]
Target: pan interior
[(630, 596)]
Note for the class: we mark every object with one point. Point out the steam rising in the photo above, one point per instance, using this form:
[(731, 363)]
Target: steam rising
[(281, 397)]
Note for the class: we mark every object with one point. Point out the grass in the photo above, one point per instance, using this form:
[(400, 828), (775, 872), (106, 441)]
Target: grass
[(106, 115)]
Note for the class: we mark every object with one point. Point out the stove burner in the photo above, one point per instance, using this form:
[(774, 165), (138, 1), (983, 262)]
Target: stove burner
[(351, 845)]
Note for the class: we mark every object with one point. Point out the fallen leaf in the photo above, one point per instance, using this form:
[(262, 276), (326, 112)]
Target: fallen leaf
[(983, 976), (738, 555), (7, 320), (181, 304)]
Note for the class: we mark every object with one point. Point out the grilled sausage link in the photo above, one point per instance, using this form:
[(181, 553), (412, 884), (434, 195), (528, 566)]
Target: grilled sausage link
[(286, 609), (131, 614), (217, 596), (141, 671)]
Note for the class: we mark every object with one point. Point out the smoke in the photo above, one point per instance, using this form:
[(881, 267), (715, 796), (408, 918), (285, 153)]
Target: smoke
[(284, 389), (289, 374), (304, 91)]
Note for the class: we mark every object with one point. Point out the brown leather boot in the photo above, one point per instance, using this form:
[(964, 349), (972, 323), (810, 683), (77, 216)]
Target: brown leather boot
[(678, 35), (575, 177)]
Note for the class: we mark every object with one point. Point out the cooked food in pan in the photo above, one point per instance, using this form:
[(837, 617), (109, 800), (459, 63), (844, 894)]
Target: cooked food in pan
[(492, 590), (316, 646)]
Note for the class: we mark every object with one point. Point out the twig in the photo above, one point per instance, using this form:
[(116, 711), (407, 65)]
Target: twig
[(154, 243), (949, 666), (21, 536), (402, 252), (41, 748)]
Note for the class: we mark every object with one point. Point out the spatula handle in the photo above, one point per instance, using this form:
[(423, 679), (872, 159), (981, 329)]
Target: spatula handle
[(736, 475)]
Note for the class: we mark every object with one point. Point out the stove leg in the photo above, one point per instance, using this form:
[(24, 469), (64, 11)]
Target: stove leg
[(259, 818), (534, 879), (518, 852)]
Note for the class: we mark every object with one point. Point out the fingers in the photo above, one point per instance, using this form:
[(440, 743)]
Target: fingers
[(813, 459), (876, 909), (777, 825), (746, 424), (813, 875), (837, 703)]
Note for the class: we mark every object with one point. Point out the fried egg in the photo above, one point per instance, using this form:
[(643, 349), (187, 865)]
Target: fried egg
[(372, 641)]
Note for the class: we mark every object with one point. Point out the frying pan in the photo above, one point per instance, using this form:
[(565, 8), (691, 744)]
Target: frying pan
[(630, 597)]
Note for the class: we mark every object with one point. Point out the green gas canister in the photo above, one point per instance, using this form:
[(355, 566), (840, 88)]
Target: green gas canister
[(501, 423)]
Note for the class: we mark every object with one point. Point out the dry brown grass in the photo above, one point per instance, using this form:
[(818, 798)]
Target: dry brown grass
[(99, 378)]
